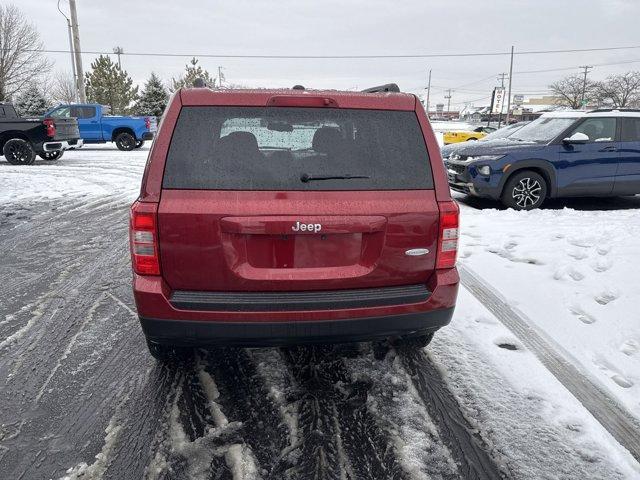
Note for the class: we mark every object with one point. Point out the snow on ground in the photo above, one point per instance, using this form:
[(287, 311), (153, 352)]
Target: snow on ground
[(538, 427), (574, 273), (109, 171)]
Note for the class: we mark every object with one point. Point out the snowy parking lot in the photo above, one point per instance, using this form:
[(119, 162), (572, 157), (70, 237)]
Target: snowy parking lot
[(536, 377)]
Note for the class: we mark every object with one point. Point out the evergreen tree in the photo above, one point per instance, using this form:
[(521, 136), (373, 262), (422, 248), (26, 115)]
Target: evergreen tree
[(153, 98), (192, 71), (107, 84), (31, 102)]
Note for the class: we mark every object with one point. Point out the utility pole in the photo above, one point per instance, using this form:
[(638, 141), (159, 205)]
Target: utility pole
[(501, 77), (584, 83), (448, 99), (118, 51), (78, 52), (220, 77), (509, 94), (73, 62), (429, 93)]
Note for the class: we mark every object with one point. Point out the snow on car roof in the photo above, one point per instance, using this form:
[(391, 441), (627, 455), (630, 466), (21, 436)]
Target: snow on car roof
[(615, 113), (564, 114)]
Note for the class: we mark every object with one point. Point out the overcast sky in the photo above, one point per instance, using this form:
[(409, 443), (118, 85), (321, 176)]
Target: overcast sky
[(330, 27)]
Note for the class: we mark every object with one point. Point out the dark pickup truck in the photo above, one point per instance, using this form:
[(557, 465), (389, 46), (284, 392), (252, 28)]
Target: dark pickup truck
[(21, 139)]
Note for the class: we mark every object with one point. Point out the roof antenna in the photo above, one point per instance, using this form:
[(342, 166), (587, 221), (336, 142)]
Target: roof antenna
[(199, 83), (298, 87)]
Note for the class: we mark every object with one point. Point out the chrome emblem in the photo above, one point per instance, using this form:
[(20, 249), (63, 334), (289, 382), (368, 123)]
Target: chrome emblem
[(417, 252), (307, 227)]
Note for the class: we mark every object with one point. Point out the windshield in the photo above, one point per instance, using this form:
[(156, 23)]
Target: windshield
[(543, 130), (503, 132)]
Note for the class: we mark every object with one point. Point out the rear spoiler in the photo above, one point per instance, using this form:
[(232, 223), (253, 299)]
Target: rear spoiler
[(388, 87)]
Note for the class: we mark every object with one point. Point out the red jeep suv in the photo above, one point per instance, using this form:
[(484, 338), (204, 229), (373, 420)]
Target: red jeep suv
[(271, 217)]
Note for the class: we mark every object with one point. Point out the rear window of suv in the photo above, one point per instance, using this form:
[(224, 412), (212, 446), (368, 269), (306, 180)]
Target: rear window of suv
[(262, 148)]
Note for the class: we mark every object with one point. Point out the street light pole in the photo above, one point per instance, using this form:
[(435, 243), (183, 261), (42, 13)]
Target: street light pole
[(78, 52)]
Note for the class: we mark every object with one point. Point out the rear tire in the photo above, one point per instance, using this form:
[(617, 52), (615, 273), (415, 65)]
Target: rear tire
[(418, 341), (50, 156), (472, 139), (125, 142), (18, 151), (168, 353), (380, 348), (525, 190)]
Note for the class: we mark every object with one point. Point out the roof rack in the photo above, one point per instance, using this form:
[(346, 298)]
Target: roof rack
[(600, 110), (389, 87), (199, 83)]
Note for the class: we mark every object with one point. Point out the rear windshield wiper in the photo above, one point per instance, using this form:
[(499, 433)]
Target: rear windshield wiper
[(305, 177)]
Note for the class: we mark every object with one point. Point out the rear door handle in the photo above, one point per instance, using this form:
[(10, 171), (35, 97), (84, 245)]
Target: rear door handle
[(609, 149)]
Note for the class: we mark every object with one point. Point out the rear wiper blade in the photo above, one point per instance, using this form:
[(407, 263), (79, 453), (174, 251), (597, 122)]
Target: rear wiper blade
[(305, 177)]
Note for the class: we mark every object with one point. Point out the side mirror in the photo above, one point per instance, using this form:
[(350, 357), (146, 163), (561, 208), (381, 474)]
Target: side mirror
[(577, 138)]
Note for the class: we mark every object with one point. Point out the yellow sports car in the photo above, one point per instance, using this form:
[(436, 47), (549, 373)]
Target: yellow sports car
[(456, 136)]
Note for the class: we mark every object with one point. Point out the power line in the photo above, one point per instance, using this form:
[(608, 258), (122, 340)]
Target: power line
[(471, 101), (377, 56)]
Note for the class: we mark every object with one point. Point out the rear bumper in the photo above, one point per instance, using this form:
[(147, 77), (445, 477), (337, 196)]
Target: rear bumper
[(147, 136), (164, 321), (62, 145), (194, 333)]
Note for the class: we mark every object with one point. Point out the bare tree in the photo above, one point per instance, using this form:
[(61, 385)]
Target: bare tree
[(21, 59), (63, 89), (620, 90), (570, 91)]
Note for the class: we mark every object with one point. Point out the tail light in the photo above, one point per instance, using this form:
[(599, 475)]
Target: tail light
[(147, 123), (448, 236), (143, 236), (50, 127)]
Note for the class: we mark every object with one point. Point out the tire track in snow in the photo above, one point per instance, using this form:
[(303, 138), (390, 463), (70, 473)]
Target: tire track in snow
[(610, 414), (469, 450), (338, 435), (243, 397)]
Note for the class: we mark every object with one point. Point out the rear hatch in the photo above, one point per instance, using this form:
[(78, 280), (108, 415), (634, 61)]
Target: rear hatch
[(291, 199), (66, 128)]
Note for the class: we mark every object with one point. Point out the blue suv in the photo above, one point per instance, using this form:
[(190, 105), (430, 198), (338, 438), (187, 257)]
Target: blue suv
[(561, 154)]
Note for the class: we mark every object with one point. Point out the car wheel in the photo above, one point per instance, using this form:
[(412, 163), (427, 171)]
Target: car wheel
[(125, 142), (417, 341), (139, 143), (18, 151), (525, 191), (168, 353), (50, 156), (472, 139)]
